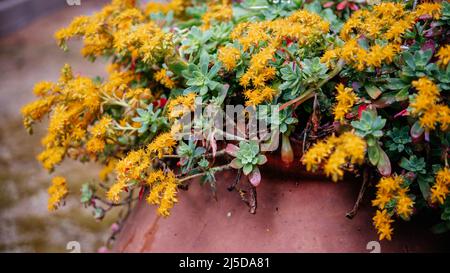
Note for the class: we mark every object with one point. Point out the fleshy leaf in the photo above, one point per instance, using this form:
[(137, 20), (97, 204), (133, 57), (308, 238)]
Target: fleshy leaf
[(255, 177)]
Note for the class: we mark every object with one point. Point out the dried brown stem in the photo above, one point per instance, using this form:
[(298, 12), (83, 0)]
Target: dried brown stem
[(354, 210)]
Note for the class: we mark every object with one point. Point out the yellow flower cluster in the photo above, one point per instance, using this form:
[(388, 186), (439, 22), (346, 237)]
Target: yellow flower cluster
[(176, 6), (346, 98), (229, 56), (179, 105), (131, 168), (259, 95), (443, 55), (430, 9), (382, 222), (391, 190), (387, 22), (134, 169), (163, 191), (335, 153), (440, 189), (425, 105), (304, 27), (73, 103), (119, 28), (162, 144), (163, 78), (98, 132), (217, 12), (119, 85), (57, 192), (135, 165)]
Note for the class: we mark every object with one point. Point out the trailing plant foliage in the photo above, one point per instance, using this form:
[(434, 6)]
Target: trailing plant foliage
[(363, 86)]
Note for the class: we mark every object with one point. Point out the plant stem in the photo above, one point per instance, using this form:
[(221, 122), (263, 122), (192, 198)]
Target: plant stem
[(215, 169), (219, 153), (354, 210)]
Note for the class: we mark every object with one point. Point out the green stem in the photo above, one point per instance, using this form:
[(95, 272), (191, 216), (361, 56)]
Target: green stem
[(218, 153), (215, 169)]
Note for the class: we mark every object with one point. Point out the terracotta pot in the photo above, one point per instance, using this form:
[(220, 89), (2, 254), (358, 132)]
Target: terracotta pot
[(296, 213)]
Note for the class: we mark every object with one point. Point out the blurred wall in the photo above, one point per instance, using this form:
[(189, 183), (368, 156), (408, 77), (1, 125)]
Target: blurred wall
[(15, 14)]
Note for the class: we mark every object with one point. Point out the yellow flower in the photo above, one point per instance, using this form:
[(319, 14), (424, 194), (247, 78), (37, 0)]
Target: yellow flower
[(346, 98), (432, 9), (57, 192), (163, 191), (155, 177), (425, 105), (329, 55), (134, 165), (51, 156), (180, 105), (42, 88), (333, 167), (100, 128), (382, 222), (392, 189), (444, 55), (162, 144), (383, 197), (390, 184), (404, 206), (177, 6), (229, 56), (386, 22), (259, 95), (440, 189), (262, 39), (335, 153), (115, 190), (217, 12), (95, 145), (36, 110), (162, 77)]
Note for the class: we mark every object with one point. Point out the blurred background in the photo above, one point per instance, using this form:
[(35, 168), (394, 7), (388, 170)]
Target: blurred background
[(28, 54)]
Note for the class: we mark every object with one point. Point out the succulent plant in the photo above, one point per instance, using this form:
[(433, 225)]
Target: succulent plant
[(200, 79), (247, 158), (150, 119)]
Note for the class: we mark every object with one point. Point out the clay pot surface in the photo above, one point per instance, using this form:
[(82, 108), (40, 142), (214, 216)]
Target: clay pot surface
[(296, 213)]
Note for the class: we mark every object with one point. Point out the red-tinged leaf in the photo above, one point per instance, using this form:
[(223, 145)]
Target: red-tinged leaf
[(429, 45), (255, 177), (353, 6), (402, 113), (231, 149), (162, 102), (361, 109), (425, 17), (141, 193), (384, 164), (328, 4), (342, 5)]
